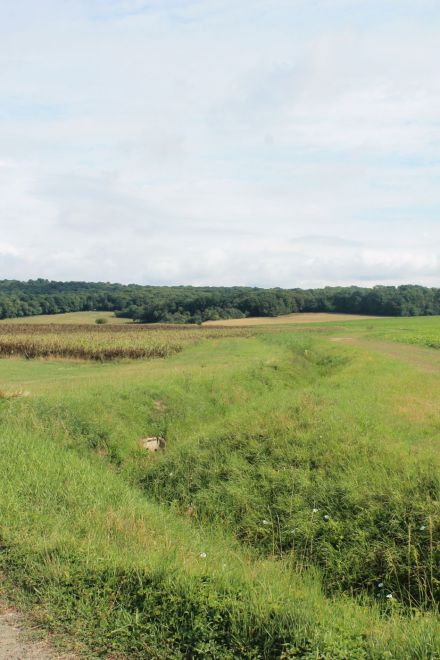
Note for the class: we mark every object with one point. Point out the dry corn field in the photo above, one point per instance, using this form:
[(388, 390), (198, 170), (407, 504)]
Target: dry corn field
[(109, 342)]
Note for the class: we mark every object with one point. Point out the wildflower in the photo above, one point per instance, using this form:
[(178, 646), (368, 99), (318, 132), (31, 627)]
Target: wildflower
[(170, 474), (378, 595), (315, 510), (326, 517), (380, 585), (265, 522), (422, 527), (389, 596), (203, 555)]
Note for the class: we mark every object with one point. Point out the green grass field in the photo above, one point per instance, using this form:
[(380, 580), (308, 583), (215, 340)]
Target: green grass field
[(294, 512)]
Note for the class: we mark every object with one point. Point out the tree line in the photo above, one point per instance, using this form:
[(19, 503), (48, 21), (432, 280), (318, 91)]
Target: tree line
[(188, 304)]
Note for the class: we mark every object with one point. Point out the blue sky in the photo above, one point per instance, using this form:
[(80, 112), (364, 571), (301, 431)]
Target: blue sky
[(269, 143)]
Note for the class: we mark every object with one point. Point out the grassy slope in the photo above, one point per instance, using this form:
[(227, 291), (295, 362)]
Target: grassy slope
[(105, 542)]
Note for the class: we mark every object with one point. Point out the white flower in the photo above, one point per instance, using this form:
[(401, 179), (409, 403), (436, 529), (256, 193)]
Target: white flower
[(170, 474), (203, 555), (315, 510), (380, 585), (266, 522), (389, 596), (326, 517), (422, 527)]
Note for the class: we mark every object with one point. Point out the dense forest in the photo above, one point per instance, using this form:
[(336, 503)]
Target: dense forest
[(188, 304)]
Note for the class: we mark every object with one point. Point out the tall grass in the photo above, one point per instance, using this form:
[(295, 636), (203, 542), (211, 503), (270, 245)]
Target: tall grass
[(311, 465), (98, 562)]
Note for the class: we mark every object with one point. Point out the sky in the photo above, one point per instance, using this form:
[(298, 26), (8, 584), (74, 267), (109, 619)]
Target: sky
[(291, 143)]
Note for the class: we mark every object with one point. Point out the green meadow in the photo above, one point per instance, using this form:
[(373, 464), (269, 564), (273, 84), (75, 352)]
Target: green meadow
[(294, 512)]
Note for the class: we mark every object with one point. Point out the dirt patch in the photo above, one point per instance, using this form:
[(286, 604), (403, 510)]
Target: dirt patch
[(16, 643), (154, 443), (13, 394), (159, 406)]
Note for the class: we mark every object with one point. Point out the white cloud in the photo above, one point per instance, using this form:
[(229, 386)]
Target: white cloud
[(270, 143), (6, 249)]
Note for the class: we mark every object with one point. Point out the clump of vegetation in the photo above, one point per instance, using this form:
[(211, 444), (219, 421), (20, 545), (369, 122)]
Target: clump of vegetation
[(12, 394), (101, 320)]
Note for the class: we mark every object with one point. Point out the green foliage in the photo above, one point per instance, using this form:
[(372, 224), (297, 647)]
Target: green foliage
[(187, 304), (421, 332)]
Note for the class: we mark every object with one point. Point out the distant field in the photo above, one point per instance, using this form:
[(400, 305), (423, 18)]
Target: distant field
[(84, 318), (419, 330), (292, 318), (69, 317)]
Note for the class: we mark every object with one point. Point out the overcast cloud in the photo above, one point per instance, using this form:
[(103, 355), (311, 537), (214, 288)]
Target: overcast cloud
[(260, 142)]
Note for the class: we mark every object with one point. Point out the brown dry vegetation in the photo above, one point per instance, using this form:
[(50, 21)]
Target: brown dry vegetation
[(315, 317), (102, 342), (68, 317), (76, 328), (12, 394)]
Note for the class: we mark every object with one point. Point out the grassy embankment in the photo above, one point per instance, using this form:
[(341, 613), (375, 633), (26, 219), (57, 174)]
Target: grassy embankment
[(299, 475)]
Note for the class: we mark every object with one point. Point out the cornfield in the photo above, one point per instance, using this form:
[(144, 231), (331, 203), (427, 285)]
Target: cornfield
[(107, 342)]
